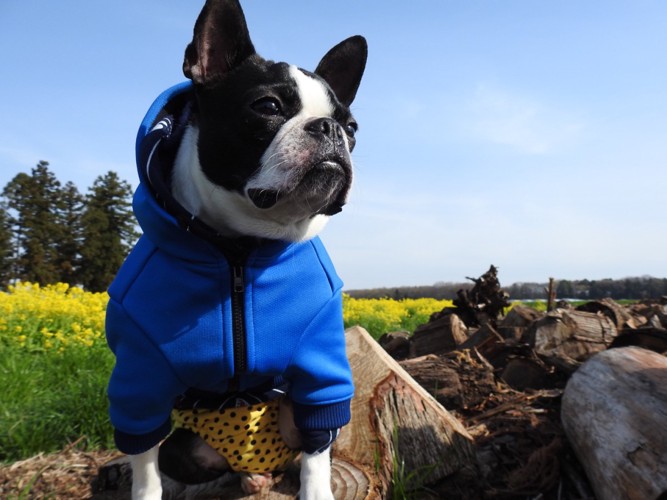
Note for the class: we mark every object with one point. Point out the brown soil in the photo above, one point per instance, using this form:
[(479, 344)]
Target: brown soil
[(64, 475)]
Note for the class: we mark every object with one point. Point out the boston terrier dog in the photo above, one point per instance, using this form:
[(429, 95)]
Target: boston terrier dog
[(226, 318)]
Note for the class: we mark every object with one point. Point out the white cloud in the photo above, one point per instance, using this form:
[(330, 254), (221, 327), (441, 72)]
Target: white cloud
[(520, 122)]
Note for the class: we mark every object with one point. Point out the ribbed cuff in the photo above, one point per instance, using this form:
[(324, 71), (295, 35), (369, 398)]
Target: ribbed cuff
[(322, 417), (133, 444), (314, 442)]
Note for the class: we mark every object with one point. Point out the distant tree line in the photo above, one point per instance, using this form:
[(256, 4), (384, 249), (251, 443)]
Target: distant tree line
[(644, 287), (50, 232)]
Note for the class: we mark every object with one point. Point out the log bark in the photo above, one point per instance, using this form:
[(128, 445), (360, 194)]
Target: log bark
[(614, 411), (568, 338), (395, 419)]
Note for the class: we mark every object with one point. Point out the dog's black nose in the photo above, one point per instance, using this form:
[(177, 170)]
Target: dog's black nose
[(326, 127)]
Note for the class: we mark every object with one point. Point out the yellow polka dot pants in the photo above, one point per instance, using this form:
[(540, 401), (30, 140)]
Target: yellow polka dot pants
[(247, 437)]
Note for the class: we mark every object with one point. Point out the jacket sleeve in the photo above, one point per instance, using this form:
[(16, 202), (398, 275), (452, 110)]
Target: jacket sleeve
[(142, 387), (319, 372)]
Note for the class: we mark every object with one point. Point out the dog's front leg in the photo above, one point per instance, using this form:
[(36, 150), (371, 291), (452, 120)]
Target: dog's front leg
[(316, 476), (146, 483)]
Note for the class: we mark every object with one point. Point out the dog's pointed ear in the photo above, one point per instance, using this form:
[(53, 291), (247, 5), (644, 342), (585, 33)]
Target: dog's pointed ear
[(343, 66), (221, 41)]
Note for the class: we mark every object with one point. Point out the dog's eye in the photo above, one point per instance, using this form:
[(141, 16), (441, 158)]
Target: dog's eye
[(351, 129), (267, 106)]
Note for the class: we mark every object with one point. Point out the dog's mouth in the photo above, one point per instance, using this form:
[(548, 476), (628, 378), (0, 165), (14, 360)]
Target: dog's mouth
[(323, 188), (263, 198)]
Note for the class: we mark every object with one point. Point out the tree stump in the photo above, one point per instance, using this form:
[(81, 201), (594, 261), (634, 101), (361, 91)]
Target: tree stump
[(348, 482), (395, 420), (614, 411)]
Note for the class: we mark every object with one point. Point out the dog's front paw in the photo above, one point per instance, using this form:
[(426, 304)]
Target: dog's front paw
[(316, 477), (147, 493), (146, 483)]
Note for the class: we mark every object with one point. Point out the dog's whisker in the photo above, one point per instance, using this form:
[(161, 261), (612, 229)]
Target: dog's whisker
[(276, 165)]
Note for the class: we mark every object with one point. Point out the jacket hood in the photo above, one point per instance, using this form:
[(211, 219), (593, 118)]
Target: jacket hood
[(157, 110), (163, 220)]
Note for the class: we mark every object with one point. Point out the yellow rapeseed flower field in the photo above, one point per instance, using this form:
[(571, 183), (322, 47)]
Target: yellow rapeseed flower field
[(56, 317), (380, 316), (51, 317)]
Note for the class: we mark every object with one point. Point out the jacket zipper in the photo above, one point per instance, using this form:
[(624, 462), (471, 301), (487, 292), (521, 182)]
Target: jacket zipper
[(238, 320)]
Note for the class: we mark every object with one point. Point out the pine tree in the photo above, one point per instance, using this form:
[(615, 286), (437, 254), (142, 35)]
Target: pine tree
[(33, 202), (108, 231), (69, 217), (6, 249)]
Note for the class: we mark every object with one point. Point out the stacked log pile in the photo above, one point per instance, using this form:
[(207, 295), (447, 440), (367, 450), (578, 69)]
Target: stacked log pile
[(505, 378)]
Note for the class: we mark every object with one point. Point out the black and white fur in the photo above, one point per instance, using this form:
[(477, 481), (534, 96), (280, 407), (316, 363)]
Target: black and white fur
[(266, 154)]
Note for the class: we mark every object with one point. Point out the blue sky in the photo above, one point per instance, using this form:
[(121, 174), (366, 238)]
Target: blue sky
[(528, 135)]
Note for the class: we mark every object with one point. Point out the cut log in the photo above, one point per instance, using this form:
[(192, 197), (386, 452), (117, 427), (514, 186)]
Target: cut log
[(517, 320), (651, 314), (440, 335), (525, 373), (458, 380), (395, 419), (653, 339), (438, 377), (568, 338), (486, 340), (397, 344), (613, 310), (614, 411)]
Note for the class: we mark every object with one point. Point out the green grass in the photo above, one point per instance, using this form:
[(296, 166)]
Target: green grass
[(48, 400), (407, 484)]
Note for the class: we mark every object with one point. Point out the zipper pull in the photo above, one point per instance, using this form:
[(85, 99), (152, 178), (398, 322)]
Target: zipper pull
[(238, 279)]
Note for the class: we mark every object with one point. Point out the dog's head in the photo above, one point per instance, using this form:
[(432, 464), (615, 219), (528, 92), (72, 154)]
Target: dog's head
[(268, 150)]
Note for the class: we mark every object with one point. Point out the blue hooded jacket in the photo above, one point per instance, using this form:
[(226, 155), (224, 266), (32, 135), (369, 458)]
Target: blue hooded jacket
[(189, 309)]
